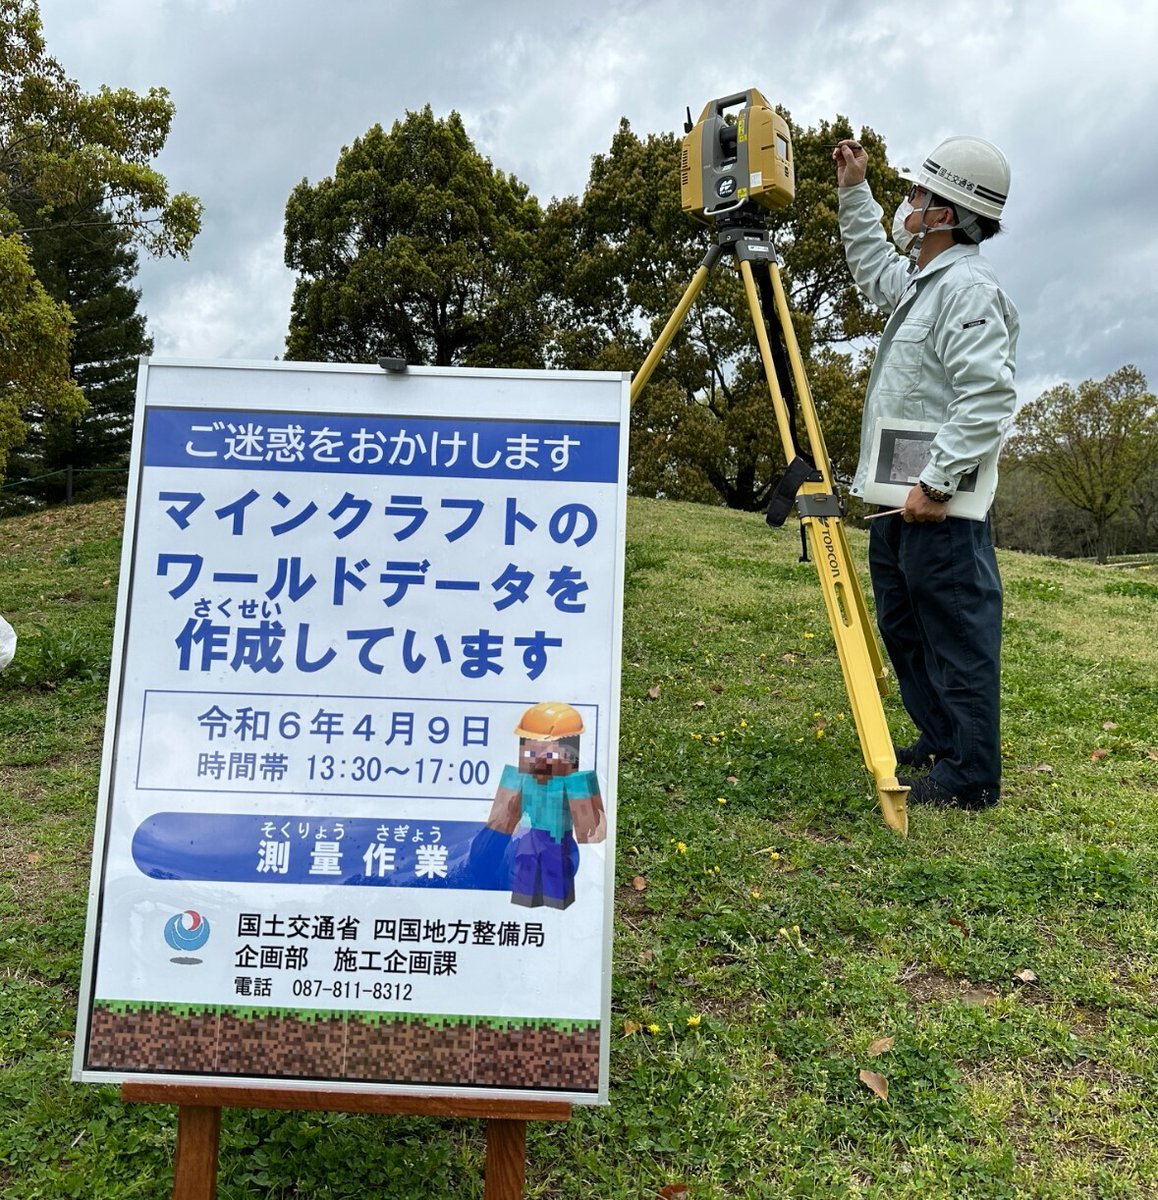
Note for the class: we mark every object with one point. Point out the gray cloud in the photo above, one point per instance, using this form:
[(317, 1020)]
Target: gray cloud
[(268, 92)]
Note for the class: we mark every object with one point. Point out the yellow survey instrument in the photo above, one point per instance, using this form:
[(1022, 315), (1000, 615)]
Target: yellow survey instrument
[(731, 157), (753, 150)]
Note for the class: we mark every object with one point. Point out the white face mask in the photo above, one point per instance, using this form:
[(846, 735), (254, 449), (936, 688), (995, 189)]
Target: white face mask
[(905, 241)]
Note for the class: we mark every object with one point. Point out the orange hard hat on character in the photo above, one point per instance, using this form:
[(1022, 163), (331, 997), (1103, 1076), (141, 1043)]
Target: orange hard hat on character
[(549, 721)]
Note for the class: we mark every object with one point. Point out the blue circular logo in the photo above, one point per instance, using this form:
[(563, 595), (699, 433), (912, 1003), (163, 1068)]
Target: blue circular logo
[(187, 931)]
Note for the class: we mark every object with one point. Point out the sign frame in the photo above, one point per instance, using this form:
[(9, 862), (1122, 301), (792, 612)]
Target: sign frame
[(342, 390)]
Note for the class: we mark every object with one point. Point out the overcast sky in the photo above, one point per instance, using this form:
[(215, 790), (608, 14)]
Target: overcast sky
[(268, 91)]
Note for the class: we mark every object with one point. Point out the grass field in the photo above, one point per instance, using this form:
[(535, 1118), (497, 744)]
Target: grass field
[(998, 971)]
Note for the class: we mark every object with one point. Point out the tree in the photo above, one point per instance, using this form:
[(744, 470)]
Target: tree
[(34, 335), (620, 260), (1091, 445), (59, 147), (419, 248), (84, 261), (1144, 497)]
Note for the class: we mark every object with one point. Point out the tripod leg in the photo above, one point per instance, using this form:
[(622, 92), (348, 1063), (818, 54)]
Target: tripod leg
[(853, 638), (843, 599), (879, 670), (639, 380), (820, 455)]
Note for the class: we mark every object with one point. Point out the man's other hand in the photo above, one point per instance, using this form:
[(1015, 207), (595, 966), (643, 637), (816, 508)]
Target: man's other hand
[(918, 507), (851, 163)]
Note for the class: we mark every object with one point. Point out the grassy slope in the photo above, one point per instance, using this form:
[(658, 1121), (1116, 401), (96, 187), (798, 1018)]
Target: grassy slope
[(769, 928)]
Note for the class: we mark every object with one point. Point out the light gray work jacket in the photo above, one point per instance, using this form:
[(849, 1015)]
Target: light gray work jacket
[(947, 352)]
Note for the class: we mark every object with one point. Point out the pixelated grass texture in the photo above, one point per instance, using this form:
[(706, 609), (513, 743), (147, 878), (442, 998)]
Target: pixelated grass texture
[(250, 1012), (767, 946)]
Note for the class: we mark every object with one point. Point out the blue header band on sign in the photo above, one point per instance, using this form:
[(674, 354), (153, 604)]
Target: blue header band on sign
[(444, 447)]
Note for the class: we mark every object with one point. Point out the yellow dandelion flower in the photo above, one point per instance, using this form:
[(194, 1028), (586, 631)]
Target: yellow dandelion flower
[(721, 799), (697, 737), (653, 1028), (693, 1021), (774, 856), (808, 635), (743, 724), (820, 733), (681, 848), (755, 893)]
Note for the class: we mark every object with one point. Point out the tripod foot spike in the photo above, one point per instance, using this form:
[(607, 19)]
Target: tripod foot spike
[(894, 804)]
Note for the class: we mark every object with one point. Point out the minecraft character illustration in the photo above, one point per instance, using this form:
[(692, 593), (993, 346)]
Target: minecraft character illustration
[(549, 805)]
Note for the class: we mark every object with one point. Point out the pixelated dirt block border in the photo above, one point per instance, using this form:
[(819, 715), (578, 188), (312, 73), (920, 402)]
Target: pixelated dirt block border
[(337, 1045)]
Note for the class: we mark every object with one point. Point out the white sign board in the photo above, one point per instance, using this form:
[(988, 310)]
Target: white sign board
[(356, 822)]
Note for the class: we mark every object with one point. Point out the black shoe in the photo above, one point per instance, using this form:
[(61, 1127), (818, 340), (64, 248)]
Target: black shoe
[(926, 790), (910, 756)]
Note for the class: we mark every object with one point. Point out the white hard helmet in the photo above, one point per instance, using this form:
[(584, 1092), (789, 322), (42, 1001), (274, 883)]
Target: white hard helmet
[(968, 171)]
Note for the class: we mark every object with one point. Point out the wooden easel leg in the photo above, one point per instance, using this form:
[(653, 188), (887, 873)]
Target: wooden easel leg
[(506, 1168), (195, 1171)]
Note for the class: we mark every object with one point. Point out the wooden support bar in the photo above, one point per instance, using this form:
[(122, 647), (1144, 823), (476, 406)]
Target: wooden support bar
[(199, 1125), (195, 1169), (225, 1096), (506, 1169)]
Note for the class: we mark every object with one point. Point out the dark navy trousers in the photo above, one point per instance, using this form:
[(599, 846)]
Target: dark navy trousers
[(938, 599)]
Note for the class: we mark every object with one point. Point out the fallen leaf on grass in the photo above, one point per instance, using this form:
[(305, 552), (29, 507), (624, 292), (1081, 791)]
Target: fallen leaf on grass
[(733, 778), (880, 1046), (1109, 725), (699, 704), (1043, 769), (653, 693), (639, 883), (630, 1027), (1099, 754), (717, 688), (1025, 975), (674, 1191), (979, 995), (957, 923), (877, 1084), (1152, 755)]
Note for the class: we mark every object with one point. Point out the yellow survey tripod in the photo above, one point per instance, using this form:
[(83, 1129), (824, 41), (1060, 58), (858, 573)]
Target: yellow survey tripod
[(742, 234)]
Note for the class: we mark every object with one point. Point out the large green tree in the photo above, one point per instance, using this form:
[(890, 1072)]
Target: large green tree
[(34, 336), (1091, 444), (59, 147), (621, 258), (85, 261), (416, 247)]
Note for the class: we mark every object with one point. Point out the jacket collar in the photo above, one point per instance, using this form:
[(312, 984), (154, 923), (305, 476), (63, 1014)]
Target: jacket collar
[(946, 259)]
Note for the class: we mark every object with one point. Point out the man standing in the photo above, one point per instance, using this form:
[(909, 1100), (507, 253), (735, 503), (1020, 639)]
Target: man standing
[(946, 357)]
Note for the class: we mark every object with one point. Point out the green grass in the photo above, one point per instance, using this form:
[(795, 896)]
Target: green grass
[(769, 928)]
